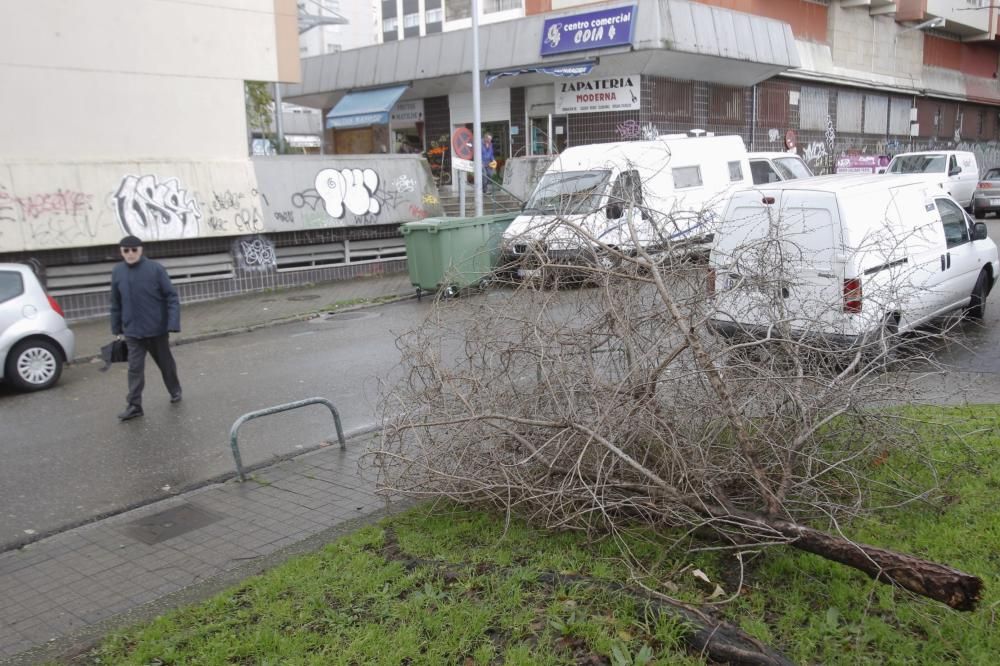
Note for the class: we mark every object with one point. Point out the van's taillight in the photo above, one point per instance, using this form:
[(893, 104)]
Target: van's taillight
[(710, 282), (985, 186), (55, 306), (768, 200), (852, 295)]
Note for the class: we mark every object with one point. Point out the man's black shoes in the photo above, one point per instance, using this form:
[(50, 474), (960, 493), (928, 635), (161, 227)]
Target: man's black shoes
[(176, 397), (130, 412)]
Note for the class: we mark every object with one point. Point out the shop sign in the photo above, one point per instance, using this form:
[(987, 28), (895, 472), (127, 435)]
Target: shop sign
[(407, 113), (589, 30), (611, 93), (861, 163)]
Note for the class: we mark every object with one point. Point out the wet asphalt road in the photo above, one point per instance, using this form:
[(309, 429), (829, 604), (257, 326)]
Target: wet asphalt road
[(66, 457)]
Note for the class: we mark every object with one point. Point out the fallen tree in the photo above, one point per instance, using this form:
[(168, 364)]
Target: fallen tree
[(593, 408)]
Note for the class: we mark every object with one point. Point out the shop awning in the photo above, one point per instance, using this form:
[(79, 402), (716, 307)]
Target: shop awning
[(364, 108)]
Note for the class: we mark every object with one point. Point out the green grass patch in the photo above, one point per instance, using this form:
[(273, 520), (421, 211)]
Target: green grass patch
[(444, 584)]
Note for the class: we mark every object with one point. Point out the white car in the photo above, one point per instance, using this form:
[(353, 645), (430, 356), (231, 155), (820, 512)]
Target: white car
[(841, 257), (954, 171), (775, 167), (35, 341)]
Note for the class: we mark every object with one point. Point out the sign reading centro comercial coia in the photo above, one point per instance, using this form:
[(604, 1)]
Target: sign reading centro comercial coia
[(591, 30), (586, 95)]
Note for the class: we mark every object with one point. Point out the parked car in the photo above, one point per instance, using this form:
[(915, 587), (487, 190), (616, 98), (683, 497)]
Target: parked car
[(668, 190), (987, 196), (955, 171), (35, 342), (844, 256), (776, 167)]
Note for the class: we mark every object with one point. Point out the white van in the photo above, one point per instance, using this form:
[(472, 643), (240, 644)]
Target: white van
[(843, 256), (955, 171), (670, 190), (772, 167)]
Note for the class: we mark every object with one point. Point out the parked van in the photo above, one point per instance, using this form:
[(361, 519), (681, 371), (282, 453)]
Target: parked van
[(955, 171), (776, 167), (670, 190), (842, 256)]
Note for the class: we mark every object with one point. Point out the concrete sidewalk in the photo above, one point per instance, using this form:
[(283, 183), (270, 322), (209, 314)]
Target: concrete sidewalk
[(60, 594)]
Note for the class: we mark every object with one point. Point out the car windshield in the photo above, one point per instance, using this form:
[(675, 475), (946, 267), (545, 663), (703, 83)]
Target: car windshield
[(791, 168), (568, 192), (918, 164)]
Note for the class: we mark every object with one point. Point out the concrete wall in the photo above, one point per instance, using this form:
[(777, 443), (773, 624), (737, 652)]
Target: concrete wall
[(62, 206), (108, 80)]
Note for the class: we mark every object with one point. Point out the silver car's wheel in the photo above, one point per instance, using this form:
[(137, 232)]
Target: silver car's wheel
[(34, 365)]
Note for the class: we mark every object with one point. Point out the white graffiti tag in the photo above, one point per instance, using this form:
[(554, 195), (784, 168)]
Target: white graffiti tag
[(155, 210), (814, 152), (352, 189), (405, 184), (258, 253)]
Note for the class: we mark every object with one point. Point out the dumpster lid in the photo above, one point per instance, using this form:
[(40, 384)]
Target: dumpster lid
[(439, 223)]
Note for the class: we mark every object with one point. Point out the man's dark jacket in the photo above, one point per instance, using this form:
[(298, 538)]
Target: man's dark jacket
[(143, 301)]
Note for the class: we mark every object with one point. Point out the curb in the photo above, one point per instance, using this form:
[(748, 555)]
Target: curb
[(306, 316)]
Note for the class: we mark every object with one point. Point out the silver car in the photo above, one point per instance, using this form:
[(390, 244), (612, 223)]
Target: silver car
[(987, 196), (35, 342)]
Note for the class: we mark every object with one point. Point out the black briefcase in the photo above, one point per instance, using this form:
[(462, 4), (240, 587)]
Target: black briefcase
[(114, 352)]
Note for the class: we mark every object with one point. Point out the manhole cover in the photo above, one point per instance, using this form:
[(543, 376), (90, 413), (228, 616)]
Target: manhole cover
[(304, 297), (341, 316), (164, 525)]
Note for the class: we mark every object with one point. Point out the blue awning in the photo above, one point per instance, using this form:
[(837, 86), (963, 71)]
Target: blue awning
[(364, 108)]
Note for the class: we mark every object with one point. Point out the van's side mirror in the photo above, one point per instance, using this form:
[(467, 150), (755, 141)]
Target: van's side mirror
[(614, 211), (979, 231), (954, 171)]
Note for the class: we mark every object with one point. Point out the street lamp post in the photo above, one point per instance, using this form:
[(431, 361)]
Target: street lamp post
[(477, 138)]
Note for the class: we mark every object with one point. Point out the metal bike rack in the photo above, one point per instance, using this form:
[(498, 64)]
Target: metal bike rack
[(274, 410)]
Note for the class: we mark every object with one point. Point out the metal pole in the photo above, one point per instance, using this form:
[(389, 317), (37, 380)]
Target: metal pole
[(278, 120), (461, 193), (477, 135), (550, 143)]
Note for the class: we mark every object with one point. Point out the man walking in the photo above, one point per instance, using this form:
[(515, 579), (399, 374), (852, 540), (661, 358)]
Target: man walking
[(489, 162), (145, 308)]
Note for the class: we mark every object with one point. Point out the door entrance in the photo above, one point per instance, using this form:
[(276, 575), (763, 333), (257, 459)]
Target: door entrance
[(548, 138)]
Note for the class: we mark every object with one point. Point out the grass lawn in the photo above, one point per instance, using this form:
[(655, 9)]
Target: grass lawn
[(448, 585)]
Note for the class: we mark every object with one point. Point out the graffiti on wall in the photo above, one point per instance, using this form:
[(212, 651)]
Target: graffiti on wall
[(348, 190), (155, 210), (255, 254), (50, 218), (231, 211), (815, 153)]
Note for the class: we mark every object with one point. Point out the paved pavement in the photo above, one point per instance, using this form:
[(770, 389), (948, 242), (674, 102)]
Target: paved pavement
[(62, 593)]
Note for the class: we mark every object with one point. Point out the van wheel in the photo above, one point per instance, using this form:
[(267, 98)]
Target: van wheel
[(977, 302)]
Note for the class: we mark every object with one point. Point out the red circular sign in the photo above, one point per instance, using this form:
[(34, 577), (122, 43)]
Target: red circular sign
[(461, 143)]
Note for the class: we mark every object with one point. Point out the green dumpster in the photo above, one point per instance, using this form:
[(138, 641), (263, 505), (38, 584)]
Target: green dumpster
[(453, 253)]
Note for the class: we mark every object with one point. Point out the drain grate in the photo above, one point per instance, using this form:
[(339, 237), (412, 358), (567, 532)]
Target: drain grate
[(164, 525)]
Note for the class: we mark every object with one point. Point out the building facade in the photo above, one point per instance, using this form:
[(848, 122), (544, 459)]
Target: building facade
[(828, 79), (120, 129)]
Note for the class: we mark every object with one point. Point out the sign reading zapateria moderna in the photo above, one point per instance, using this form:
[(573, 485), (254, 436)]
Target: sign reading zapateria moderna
[(586, 95), (590, 30)]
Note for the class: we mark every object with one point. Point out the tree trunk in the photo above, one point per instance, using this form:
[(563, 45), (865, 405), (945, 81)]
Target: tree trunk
[(955, 588)]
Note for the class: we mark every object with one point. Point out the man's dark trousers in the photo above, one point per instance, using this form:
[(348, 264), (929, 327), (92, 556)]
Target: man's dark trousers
[(159, 348)]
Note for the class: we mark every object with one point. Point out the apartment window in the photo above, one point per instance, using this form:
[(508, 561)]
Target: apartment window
[(434, 15), (411, 21), (457, 9), (493, 6), (303, 50), (390, 24), (333, 48)]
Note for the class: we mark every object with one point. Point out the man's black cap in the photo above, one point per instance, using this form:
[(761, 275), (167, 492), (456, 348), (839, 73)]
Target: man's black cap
[(130, 241)]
